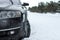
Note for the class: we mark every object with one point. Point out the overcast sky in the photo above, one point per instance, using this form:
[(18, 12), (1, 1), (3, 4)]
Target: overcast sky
[(35, 2)]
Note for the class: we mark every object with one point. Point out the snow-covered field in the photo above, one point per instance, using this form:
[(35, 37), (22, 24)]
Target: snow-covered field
[(44, 26)]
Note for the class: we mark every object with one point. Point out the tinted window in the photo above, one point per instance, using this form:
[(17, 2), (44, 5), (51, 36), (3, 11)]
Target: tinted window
[(8, 2), (16, 1)]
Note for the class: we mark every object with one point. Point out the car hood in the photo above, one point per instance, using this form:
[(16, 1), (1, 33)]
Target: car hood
[(13, 7)]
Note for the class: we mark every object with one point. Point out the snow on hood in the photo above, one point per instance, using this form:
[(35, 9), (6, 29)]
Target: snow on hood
[(13, 7), (4, 5)]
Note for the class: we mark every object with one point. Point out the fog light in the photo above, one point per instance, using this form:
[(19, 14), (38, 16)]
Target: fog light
[(12, 32)]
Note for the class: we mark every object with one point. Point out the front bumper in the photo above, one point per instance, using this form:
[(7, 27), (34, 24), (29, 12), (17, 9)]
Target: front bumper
[(6, 34), (9, 38)]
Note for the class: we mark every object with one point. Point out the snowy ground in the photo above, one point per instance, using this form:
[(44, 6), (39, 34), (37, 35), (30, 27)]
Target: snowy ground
[(44, 26)]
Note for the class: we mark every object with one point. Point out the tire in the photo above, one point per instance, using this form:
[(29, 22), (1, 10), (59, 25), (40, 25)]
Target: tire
[(28, 29)]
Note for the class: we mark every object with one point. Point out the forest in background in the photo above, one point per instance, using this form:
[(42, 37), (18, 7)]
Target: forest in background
[(42, 7)]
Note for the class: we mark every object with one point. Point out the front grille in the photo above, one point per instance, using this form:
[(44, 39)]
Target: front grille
[(15, 22), (10, 22)]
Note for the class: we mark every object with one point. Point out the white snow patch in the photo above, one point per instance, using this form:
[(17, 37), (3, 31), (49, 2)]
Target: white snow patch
[(44, 26)]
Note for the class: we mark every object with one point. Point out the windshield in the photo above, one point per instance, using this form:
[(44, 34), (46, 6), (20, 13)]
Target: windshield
[(9, 2), (5, 2)]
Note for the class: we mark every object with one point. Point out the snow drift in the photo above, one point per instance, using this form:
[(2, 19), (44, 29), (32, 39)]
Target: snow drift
[(44, 26)]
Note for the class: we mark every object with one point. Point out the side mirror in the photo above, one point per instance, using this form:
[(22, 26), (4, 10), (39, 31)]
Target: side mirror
[(25, 4)]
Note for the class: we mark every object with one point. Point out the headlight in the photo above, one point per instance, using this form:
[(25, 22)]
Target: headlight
[(10, 14)]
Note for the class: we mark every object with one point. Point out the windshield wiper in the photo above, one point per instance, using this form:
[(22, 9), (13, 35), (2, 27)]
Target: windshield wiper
[(11, 2)]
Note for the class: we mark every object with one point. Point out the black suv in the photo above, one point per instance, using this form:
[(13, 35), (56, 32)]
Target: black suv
[(14, 24)]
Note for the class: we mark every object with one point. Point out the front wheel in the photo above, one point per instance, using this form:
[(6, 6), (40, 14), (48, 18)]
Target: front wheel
[(28, 29)]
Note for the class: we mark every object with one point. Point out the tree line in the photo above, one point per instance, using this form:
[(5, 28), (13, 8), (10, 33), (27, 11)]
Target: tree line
[(46, 7)]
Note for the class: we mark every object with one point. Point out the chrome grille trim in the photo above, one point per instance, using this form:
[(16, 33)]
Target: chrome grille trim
[(10, 29)]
